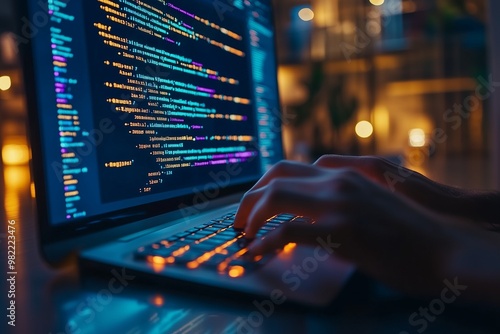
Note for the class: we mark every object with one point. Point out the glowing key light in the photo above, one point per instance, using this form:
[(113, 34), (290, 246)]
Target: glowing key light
[(5, 82), (377, 2), (364, 129), (417, 138), (236, 271), (306, 14), (158, 301), (289, 247)]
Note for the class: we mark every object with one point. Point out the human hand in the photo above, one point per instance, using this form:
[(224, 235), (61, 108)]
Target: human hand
[(473, 205), (386, 235)]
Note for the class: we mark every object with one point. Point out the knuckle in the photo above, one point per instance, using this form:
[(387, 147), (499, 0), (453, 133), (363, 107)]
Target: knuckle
[(347, 175), (346, 180), (287, 167), (374, 163), (323, 160), (247, 196), (276, 190), (274, 184), (282, 165)]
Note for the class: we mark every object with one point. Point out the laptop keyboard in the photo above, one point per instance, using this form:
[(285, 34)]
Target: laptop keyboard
[(213, 245)]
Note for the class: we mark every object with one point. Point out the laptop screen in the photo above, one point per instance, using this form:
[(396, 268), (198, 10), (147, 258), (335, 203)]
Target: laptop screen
[(145, 101)]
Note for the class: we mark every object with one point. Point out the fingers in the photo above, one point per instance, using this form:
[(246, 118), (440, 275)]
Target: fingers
[(339, 161), (286, 169), (366, 165), (281, 170), (246, 206), (298, 197), (378, 169)]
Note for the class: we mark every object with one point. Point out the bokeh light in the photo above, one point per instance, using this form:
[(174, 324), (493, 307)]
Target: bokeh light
[(306, 14), (364, 129), (5, 82), (417, 138)]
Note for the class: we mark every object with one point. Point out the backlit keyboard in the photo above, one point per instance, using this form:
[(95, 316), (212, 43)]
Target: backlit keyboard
[(214, 245)]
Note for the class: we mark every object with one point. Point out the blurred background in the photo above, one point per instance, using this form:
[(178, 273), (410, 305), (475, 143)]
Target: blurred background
[(397, 78), (404, 79)]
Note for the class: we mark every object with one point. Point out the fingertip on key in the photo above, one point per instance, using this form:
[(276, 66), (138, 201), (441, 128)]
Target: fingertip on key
[(238, 229)]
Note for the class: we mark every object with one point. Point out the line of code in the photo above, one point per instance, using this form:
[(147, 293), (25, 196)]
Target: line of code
[(176, 80), (71, 135)]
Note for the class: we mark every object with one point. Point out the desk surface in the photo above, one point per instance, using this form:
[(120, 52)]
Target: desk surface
[(62, 301)]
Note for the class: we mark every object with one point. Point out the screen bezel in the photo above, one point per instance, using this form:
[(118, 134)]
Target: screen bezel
[(50, 234)]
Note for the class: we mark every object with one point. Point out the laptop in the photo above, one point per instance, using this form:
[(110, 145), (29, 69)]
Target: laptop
[(149, 120)]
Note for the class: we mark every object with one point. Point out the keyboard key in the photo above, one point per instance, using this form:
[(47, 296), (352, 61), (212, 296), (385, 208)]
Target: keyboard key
[(228, 234), (189, 256), (234, 248), (213, 229), (243, 262), (182, 235), (220, 225), (180, 244), (214, 241), (215, 244), (215, 260), (284, 216), (204, 246), (204, 233), (163, 252), (304, 220), (192, 237), (153, 252)]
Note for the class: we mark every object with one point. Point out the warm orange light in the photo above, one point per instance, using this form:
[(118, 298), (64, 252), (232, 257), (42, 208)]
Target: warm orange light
[(377, 2), (241, 252), (417, 138), (180, 251), (289, 248), (15, 154), (158, 301), (5, 82), (17, 181), (382, 121), (32, 190), (306, 14), (158, 260), (236, 271), (17, 178), (222, 267), (12, 203), (364, 129), (193, 265)]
